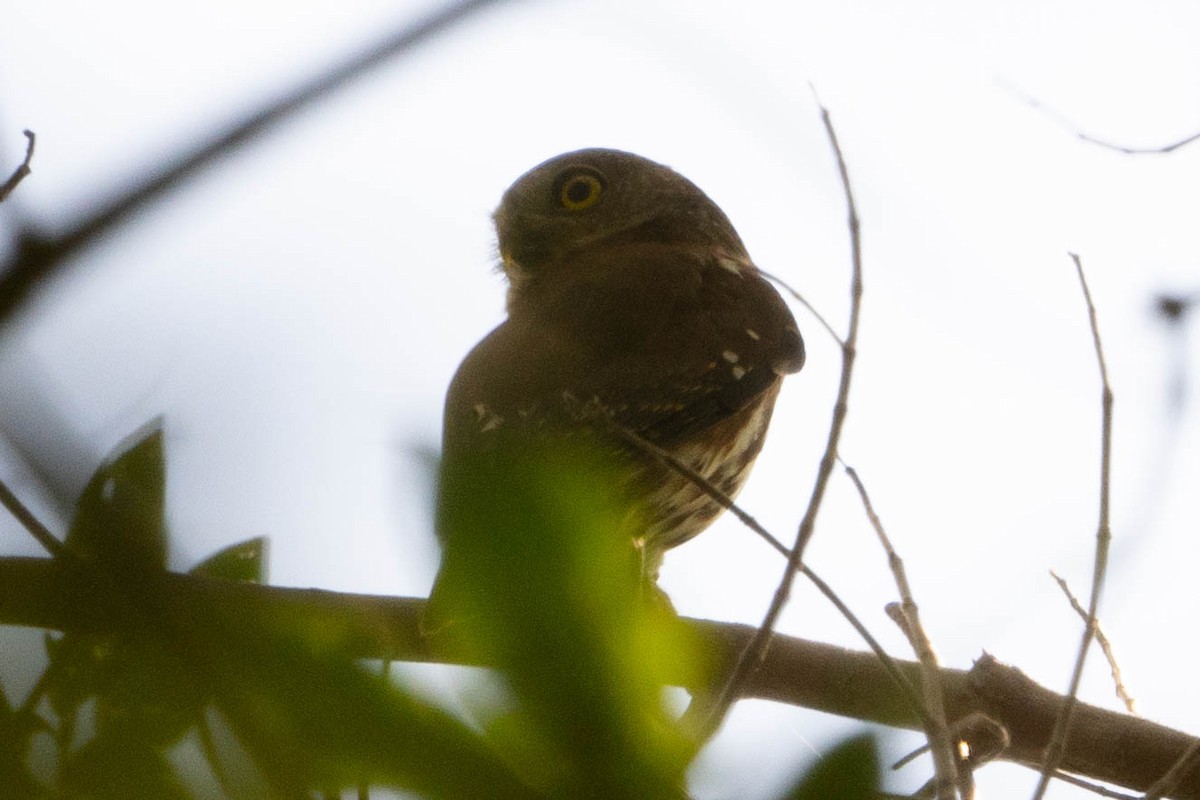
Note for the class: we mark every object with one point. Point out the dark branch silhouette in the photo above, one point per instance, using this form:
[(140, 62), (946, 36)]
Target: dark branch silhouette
[(22, 170), (38, 255), (1103, 745)]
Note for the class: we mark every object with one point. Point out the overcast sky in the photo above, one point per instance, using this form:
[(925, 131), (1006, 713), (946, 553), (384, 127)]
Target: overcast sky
[(296, 313)]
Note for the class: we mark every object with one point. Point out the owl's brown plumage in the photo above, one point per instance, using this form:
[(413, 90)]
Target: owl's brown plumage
[(630, 295)]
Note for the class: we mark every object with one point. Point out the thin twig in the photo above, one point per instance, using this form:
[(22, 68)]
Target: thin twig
[(20, 172), (945, 764), (1105, 645), (1075, 129), (750, 522), (39, 254), (787, 287), (751, 658), (1168, 782), (889, 663), (1058, 739), (1138, 151), (1091, 786), (36, 529), (702, 483)]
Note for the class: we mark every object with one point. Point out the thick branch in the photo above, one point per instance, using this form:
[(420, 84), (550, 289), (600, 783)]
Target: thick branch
[(1103, 745)]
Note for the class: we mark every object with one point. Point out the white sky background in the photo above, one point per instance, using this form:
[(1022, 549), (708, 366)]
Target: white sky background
[(297, 313)]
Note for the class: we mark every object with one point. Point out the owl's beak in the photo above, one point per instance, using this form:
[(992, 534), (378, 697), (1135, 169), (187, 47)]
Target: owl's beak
[(512, 267), (517, 277)]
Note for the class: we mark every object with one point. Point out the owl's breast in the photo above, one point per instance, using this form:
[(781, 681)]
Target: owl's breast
[(675, 509)]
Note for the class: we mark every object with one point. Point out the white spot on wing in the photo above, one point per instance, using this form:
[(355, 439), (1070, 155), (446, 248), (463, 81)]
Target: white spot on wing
[(738, 372), (731, 264), (730, 356), (753, 334), (488, 420)]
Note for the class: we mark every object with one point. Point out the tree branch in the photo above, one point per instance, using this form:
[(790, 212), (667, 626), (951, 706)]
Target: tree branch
[(1103, 745)]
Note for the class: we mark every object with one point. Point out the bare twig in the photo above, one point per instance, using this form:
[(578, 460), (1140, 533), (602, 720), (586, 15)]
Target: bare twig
[(1094, 788), (20, 172), (787, 287), (1058, 739), (944, 761), (1105, 645), (1168, 782), (976, 739), (1071, 126), (1139, 151), (750, 522), (702, 483), (39, 254), (889, 664), (750, 659)]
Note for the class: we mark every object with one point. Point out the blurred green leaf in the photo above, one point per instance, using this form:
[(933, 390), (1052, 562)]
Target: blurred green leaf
[(541, 575), (311, 719), (145, 691), (110, 766), (17, 727), (69, 678), (146, 697), (119, 517), (244, 562), (307, 717), (850, 771)]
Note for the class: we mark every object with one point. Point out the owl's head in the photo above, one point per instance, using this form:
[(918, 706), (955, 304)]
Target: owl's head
[(598, 197)]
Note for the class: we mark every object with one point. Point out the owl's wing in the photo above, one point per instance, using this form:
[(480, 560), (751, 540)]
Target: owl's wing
[(720, 336), (518, 378), (667, 342)]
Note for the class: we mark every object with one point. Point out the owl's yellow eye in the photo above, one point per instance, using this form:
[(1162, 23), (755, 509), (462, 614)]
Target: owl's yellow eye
[(579, 190)]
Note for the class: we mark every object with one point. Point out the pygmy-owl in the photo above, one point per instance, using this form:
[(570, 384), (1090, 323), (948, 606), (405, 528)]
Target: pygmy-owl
[(630, 298)]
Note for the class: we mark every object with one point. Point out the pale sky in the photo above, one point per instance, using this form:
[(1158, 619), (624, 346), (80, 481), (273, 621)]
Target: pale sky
[(297, 313)]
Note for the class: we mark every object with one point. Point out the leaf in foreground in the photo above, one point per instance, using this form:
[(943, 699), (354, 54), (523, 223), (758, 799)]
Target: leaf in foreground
[(541, 576), (850, 771)]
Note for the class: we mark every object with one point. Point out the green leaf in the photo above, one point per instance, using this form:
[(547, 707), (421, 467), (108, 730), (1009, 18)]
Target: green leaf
[(110, 766), (244, 562), (142, 683), (540, 575), (145, 689), (17, 727), (307, 717), (850, 771), (119, 518), (310, 718)]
